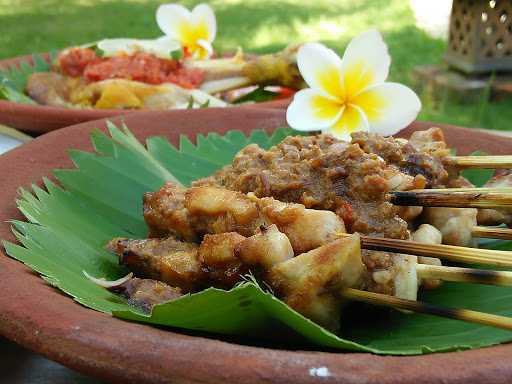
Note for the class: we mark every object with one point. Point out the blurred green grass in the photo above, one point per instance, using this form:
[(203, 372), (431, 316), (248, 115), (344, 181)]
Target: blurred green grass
[(256, 25)]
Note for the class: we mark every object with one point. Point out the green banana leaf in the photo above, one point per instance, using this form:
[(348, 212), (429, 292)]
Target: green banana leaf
[(68, 225)]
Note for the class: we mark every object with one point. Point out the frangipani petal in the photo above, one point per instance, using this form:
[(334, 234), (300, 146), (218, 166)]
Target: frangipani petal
[(206, 50), (351, 120), (389, 107), (312, 111), (320, 68), (203, 14), (171, 17), (366, 62), (195, 30)]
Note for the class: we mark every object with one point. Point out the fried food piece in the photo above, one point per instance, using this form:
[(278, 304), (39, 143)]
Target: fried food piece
[(275, 69), (129, 94), (169, 260), (51, 88), (146, 293), (311, 282)]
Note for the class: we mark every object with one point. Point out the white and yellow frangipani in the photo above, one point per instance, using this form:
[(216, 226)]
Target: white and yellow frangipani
[(350, 94), (195, 30)]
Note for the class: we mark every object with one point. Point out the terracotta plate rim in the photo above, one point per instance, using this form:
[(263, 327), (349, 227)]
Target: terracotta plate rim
[(40, 318)]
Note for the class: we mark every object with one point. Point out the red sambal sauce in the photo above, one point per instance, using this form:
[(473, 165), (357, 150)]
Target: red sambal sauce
[(142, 67)]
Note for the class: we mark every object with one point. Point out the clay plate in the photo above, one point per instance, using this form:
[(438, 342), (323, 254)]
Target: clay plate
[(41, 318), (42, 119)]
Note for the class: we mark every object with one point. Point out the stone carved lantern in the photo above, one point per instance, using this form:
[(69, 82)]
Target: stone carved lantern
[(480, 39)]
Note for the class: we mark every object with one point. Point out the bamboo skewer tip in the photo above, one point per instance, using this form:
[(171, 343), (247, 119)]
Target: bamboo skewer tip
[(468, 315)]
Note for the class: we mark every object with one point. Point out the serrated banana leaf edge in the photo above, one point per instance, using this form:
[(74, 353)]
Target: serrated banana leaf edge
[(68, 225)]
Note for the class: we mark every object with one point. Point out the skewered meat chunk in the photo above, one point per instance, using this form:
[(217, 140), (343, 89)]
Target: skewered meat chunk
[(455, 224), (219, 260), (322, 172), (192, 213), (169, 260), (146, 293), (428, 234), (430, 141), (166, 215), (214, 210), (219, 263), (306, 228), (502, 179), (266, 248), (391, 274), (421, 155), (310, 283)]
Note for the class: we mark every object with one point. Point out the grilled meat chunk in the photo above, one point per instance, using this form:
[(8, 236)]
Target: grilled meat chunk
[(455, 224), (169, 260), (146, 293), (322, 172), (218, 261), (266, 248), (421, 155), (310, 283), (190, 214), (502, 179)]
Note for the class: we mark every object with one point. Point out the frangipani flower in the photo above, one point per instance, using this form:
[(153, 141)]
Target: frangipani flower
[(350, 94), (194, 30)]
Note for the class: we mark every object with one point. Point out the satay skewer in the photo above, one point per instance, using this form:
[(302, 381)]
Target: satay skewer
[(287, 273), (452, 199), (422, 307), (467, 189), (440, 251), (492, 232), (486, 162), (464, 275)]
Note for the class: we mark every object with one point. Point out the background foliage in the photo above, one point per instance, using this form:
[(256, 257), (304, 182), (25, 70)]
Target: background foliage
[(256, 25)]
